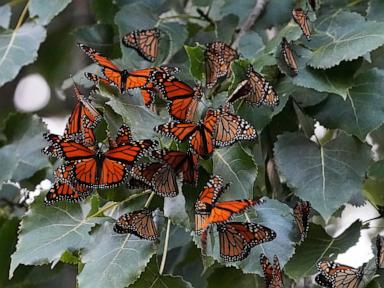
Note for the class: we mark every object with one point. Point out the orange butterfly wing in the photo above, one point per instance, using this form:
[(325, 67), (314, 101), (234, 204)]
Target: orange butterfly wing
[(301, 213), (177, 131), (288, 56), (301, 19), (139, 223), (145, 42)]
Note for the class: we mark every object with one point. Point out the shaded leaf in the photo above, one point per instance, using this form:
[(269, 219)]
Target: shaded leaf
[(226, 28), (237, 168), (177, 35), (319, 245), (334, 39), (174, 208), (22, 154), (196, 61), (8, 239), (5, 15), (45, 10), (225, 277), (19, 48), (251, 45), (46, 232), (326, 176), (375, 10), (114, 260), (362, 111), (152, 278)]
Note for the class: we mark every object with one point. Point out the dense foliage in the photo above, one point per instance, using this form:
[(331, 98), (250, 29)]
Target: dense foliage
[(339, 85)]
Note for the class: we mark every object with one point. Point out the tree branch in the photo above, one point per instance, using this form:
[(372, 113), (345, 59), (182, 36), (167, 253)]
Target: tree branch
[(248, 23)]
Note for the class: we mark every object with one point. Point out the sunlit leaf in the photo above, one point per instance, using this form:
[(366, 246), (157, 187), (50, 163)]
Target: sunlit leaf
[(19, 48), (45, 10)]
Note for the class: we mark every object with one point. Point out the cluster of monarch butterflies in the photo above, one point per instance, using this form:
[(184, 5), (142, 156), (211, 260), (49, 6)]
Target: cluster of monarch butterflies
[(89, 164)]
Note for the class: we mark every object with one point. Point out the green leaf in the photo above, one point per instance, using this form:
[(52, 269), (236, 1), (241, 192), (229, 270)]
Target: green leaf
[(8, 239), (237, 168), (241, 11), (46, 232), (136, 115), (152, 278), (363, 109), (196, 61), (225, 277), (327, 176), (274, 14), (334, 39), (104, 10), (114, 260), (22, 154), (226, 27), (177, 35), (374, 184), (272, 214), (251, 45), (333, 80), (174, 208), (46, 10), (5, 16), (19, 48), (375, 10), (319, 245)]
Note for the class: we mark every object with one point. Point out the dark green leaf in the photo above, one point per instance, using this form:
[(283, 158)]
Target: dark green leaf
[(362, 111), (327, 176), (196, 61), (319, 245), (19, 48), (251, 45), (8, 239), (334, 39), (225, 277)]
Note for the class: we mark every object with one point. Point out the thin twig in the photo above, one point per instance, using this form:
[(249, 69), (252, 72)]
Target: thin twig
[(248, 23), (165, 250), (146, 205)]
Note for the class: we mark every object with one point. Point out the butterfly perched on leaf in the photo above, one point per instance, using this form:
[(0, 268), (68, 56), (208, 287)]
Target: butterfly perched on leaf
[(236, 239), (64, 189), (219, 128), (209, 211), (301, 19), (145, 42), (159, 177), (139, 223), (301, 213), (95, 168), (272, 273), (380, 251), (255, 90), (124, 79), (288, 56), (185, 163), (83, 119), (335, 275), (183, 99), (218, 58)]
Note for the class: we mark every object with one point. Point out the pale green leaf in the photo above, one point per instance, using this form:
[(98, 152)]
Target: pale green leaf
[(46, 10), (177, 35), (114, 260), (5, 15), (237, 168), (19, 48), (46, 232), (326, 176)]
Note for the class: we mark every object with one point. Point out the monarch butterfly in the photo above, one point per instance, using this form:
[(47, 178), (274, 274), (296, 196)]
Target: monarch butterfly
[(183, 99), (63, 189), (272, 274), (380, 251), (139, 223), (219, 128), (301, 213), (208, 211), (84, 117), (301, 19), (184, 162), (256, 90), (123, 79), (288, 56), (218, 58), (337, 275), (159, 177), (145, 42), (237, 238), (97, 169)]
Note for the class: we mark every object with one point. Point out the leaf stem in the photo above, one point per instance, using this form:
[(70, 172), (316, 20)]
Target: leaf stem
[(114, 204), (22, 16), (165, 250), (146, 205)]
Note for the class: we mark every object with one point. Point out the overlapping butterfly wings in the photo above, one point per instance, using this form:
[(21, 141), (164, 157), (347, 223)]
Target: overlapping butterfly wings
[(337, 275)]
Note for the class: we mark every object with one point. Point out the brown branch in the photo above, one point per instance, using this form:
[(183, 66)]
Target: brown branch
[(248, 23)]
